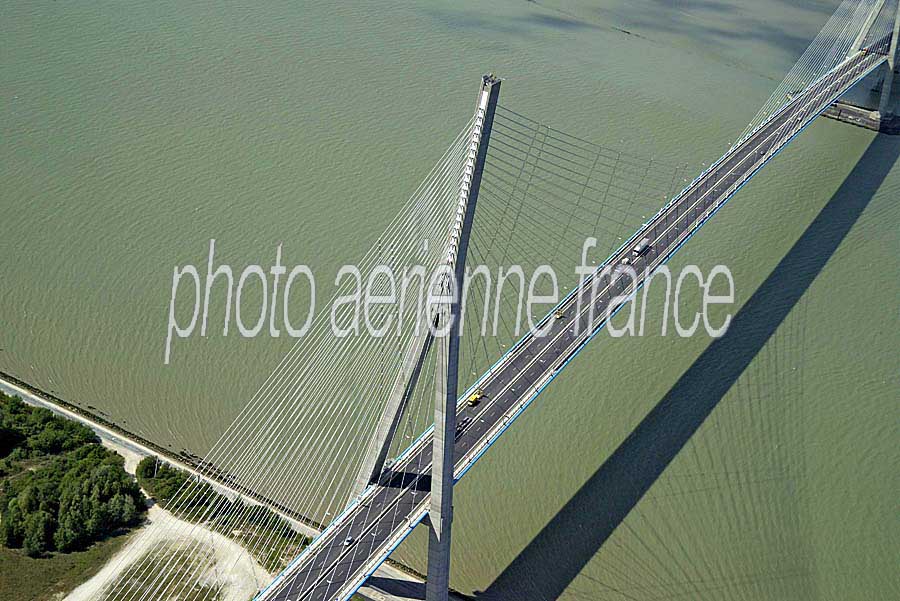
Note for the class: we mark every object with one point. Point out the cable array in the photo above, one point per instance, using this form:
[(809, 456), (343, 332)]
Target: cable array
[(286, 465), (829, 48), (543, 194), (298, 443)]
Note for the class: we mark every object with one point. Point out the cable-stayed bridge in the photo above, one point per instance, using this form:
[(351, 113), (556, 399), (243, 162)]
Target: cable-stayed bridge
[(368, 434)]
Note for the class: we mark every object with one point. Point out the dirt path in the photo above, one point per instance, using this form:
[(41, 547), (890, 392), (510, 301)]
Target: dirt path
[(240, 576)]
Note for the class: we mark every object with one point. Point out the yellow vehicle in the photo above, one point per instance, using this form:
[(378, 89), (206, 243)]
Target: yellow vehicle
[(475, 397), (559, 314)]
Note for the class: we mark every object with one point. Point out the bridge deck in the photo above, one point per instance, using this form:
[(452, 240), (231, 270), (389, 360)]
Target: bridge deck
[(337, 563)]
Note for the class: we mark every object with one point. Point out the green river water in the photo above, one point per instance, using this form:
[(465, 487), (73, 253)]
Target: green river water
[(133, 132)]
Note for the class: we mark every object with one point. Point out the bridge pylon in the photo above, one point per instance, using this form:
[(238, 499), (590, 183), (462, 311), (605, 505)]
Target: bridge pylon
[(440, 513), (439, 331)]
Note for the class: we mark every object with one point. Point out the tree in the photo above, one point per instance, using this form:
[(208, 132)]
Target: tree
[(38, 533), (9, 440), (71, 531), (161, 480), (12, 527), (73, 491)]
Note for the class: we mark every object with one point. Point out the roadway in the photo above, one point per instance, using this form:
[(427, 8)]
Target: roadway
[(359, 540)]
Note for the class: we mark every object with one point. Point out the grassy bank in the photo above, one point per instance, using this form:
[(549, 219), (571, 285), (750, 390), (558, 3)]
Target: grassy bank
[(24, 578)]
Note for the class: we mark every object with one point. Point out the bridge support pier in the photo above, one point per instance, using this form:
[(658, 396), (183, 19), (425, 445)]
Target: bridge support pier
[(873, 104), (440, 514), (446, 344)]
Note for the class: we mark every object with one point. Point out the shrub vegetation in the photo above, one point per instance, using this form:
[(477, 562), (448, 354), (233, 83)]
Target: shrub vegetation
[(59, 489)]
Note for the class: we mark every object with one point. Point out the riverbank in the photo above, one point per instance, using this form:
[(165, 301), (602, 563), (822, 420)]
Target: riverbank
[(67, 503), (131, 446), (396, 582)]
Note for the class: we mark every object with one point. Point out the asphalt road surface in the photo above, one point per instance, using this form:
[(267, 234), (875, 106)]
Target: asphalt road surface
[(361, 538)]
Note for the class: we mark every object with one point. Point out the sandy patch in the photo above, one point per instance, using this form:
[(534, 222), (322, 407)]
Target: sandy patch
[(240, 576)]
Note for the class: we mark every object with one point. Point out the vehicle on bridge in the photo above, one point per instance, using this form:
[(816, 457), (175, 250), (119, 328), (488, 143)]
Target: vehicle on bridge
[(475, 397), (641, 248), (462, 425)]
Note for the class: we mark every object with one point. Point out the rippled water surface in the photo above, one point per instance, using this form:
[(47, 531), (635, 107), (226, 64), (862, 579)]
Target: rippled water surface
[(133, 132)]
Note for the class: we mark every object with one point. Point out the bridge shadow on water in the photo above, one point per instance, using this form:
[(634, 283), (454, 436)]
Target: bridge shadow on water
[(559, 552)]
